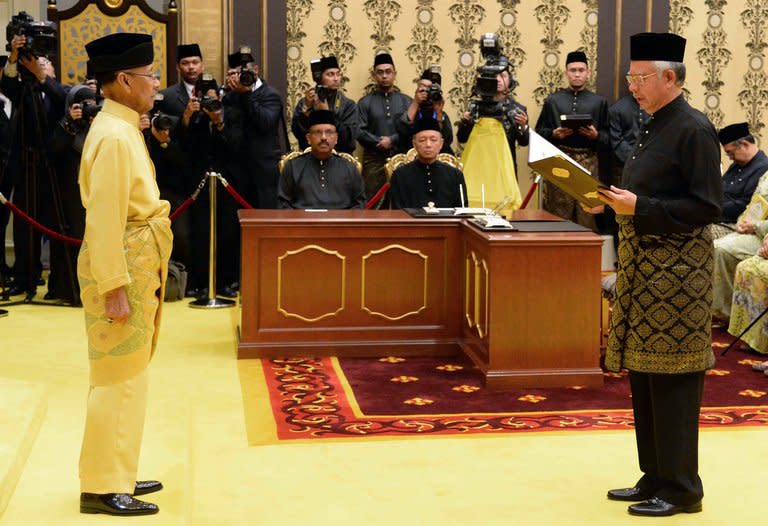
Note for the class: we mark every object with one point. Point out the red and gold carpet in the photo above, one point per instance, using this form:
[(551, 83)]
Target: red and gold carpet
[(315, 398)]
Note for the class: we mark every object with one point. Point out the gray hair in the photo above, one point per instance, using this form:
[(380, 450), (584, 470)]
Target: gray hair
[(678, 68)]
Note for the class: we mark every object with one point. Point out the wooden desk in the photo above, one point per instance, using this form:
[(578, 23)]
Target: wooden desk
[(370, 283)]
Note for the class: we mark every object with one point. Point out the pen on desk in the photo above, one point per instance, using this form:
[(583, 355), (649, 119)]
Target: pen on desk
[(461, 195)]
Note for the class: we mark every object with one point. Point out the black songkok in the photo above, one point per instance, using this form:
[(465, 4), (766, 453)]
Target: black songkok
[(120, 51), (667, 47), (243, 55), (426, 121), (576, 56), (322, 117), (733, 132), (188, 50), (328, 63), (383, 58)]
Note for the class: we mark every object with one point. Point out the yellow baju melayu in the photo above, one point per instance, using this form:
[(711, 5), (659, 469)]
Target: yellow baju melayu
[(127, 243), (488, 164)]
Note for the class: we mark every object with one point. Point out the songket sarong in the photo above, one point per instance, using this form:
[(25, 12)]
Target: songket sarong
[(118, 351), (750, 299), (488, 164)]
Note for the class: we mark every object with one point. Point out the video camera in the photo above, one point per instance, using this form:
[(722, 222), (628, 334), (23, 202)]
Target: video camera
[(160, 121), (435, 90), (204, 84), (41, 36), (486, 82), (321, 92)]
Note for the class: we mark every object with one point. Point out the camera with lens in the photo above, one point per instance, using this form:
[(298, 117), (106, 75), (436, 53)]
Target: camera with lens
[(160, 121), (486, 82), (204, 84), (434, 91), (323, 93), (41, 35), (247, 77)]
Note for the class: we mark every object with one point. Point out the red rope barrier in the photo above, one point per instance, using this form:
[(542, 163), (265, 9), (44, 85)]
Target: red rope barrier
[(182, 207), (237, 197), (531, 190), (378, 195), (42, 228)]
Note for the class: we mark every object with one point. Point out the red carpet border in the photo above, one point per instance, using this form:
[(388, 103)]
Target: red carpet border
[(314, 398)]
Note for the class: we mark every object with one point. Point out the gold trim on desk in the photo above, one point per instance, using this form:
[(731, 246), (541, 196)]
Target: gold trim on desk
[(289, 253), (379, 251)]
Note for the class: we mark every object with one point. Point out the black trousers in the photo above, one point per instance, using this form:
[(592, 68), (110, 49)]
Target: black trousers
[(666, 409)]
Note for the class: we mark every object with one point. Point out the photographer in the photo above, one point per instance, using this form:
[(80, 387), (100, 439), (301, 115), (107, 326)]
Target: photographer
[(178, 99), (208, 146), (326, 96), (38, 101), (172, 174), (512, 115), (427, 102), (256, 112), (67, 147)]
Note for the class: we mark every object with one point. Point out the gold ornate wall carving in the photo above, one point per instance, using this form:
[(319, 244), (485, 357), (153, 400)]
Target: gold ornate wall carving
[(91, 24), (713, 58)]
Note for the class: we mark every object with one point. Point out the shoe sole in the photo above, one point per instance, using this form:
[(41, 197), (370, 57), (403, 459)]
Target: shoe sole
[(84, 509), (690, 509), (140, 492)]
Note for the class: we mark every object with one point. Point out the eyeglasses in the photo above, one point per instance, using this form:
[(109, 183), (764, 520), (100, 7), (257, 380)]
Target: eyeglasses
[(638, 78), (154, 75), (320, 133)]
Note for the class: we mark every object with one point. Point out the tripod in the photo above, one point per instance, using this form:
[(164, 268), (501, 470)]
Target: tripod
[(28, 141)]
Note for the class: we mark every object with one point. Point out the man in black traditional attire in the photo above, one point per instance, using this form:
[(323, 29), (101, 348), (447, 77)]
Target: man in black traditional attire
[(582, 143), (344, 109), (661, 320), (377, 113), (741, 178), (425, 102), (320, 179), (427, 180)]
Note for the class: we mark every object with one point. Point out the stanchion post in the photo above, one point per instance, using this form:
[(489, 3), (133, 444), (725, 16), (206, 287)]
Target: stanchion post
[(211, 301)]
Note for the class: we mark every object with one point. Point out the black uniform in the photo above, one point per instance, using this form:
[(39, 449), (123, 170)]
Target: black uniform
[(416, 184), (308, 182), (739, 183), (347, 123)]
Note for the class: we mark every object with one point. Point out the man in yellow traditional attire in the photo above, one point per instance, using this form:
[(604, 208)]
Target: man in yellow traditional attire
[(122, 268)]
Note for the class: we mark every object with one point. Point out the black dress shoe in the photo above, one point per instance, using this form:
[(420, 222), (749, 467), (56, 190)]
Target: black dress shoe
[(147, 486), (657, 507), (633, 494), (115, 504), (18, 289), (227, 292)]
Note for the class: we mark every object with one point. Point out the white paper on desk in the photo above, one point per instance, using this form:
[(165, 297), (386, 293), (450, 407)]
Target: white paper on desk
[(539, 148)]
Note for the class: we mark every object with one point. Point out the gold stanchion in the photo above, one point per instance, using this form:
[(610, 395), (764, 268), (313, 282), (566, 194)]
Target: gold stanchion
[(212, 302)]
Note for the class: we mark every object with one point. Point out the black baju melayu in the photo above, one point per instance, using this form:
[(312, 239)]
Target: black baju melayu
[(739, 183), (308, 182), (661, 319), (377, 114), (416, 184)]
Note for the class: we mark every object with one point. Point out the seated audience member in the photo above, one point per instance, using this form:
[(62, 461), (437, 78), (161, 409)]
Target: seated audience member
[(740, 180), (320, 179), (750, 298), (734, 248), (427, 180)]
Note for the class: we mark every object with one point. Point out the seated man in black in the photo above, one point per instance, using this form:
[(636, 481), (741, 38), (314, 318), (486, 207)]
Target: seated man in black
[(427, 180), (320, 179), (741, 178)]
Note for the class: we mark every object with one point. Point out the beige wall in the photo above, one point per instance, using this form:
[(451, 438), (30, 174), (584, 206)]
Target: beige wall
[(726, 79)]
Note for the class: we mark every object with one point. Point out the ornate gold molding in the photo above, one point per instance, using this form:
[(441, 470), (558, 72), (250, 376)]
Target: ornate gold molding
[(369, 257), (342, 293), (754, 97), (588, 37), (297, 12), (713, 58), (680, 15), (466, 15), (338, 40), (424, 49)]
